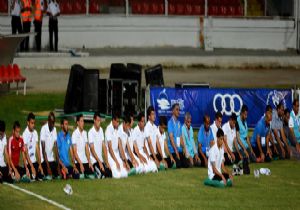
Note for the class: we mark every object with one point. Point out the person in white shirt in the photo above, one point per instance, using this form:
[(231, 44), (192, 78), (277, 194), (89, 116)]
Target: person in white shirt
[(30, 137), (216, 168), (81, 149), (5, 168), (111, 138), (16, 23), (151, 135), (98, 148), (125, 153), (230, 139), (139, 144), (53, 11), (163, 153), (216, 125), (48, 137), (140, 168)]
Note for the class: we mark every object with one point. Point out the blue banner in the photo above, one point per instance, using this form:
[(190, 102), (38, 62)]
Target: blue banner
[(200, 101)]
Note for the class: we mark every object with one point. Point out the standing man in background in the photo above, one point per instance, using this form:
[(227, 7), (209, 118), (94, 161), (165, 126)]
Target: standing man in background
[(53, 11), (38, 22), (26, 13), (16, 24)]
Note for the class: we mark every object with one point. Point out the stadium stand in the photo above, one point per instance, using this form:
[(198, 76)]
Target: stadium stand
[(225, 8), (3, 6)]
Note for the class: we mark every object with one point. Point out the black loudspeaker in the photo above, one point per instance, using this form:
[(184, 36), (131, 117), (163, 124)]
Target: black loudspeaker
[(103, 96), (90, 90), (73, 99), (117, 71), (134, 72), (115, 96), (154, 76)]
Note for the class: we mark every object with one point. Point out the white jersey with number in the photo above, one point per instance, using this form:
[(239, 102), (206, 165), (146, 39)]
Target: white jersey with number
[(30, 140)]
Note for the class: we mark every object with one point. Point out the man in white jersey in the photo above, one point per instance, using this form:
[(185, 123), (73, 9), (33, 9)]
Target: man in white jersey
[(48, 137), (216, 168), (230, 139), (151, 135), (97, 146), (111, 138), (139, 144), (81, 150), (125, 153), (163, 153), (30, 137), (216, 125), (5, 168)]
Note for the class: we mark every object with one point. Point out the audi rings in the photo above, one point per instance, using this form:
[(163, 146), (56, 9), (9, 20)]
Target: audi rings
[(232, 106)]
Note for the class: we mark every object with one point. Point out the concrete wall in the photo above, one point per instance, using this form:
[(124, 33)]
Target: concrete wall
[(149, 31)]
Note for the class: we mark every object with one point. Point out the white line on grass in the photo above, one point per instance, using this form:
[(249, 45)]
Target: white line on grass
[(38, 196)]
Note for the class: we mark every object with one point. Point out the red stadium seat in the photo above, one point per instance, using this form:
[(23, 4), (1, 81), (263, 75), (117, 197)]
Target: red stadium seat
[(239, 11), (11, 75), (231, 11), (94, 7), (3, 79), (3, 6), (213, 2), (179, 9), (136, 7), (223, 11), (198, 10), (19, 78), (188, 9), (145, 8), (17, 73), (171, 8), (161, 8), (213, 10), (7, 75), (79, 7)]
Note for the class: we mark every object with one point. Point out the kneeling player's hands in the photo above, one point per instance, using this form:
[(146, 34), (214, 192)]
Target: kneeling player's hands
[(27, 172), (75, 170), (224, 180), (81, 168), (33, 171), (17, 176), (91, 166)]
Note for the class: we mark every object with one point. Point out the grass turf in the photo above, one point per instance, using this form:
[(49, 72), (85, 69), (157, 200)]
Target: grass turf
[(171, 189)]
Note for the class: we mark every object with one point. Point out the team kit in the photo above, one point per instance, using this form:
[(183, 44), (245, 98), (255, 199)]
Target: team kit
[(123, 150)]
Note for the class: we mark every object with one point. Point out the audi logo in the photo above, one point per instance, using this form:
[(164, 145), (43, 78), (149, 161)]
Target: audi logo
[(226, 108)]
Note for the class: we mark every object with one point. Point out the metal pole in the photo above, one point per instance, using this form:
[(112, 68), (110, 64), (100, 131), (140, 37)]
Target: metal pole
[(245, 8), (87, 7), (166, 7), (266, 2), (127, 8), (297, 23), (8, 6), (205, 9)]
